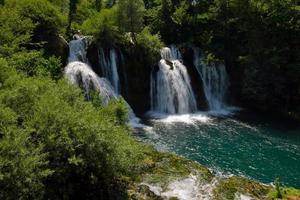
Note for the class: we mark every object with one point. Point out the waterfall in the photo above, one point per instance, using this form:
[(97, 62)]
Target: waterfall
[(215, 81), (109, 68), (81, 74), (78, 72), (77, 50), (171, 91)]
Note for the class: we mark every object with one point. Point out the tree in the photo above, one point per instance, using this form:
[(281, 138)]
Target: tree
[(130, 16), (62, 4), (98, 5), (55, 145)]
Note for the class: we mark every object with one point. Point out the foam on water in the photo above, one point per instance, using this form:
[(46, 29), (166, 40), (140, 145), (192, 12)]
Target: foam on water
[(183, 118), (189, 188), (243, 147)]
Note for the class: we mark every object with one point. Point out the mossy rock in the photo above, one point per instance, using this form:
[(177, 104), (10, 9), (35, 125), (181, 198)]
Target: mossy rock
[(287, 193), (161, 168), (141, 192), (228, 187), (169, 166)]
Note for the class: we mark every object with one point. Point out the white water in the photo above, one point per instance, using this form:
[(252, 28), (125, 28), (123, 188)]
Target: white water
[(77, 50), (189, 188), (239, 196), (189, 118), (171, 90), (109, 68), (81, 74), (215, 81)]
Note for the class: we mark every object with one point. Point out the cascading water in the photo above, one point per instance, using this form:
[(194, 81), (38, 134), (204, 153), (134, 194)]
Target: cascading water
[(109, 68), (77, 50), (80, 73), (215, 81), (171, 91)]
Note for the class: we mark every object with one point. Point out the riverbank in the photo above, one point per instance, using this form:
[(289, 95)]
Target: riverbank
[(168, 176)]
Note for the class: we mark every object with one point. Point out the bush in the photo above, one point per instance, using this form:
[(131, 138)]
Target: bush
[(22, 165), (48, 23), (56, 144), (42, 13), (33, 63), (103, 27), (19, 25), (151, 43), (15, 31)]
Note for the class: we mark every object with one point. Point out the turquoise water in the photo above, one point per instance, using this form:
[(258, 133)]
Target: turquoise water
[(252, 146)]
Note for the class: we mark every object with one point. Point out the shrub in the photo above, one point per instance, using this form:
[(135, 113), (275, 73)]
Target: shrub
[(53, 143), (103, 27), (150, 45), (15, 31), (33, 63)]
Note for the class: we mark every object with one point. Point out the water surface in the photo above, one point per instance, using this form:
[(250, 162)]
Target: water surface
[(248, 145)]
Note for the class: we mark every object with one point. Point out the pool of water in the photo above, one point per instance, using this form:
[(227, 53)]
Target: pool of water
[(248, 145)]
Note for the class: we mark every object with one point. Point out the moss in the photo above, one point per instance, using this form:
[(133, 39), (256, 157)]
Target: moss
[(228, 187), (164, 167), (142, 192), (287, 193), (160, 168)]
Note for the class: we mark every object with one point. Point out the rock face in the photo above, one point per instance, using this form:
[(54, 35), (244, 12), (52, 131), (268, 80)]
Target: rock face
[(135, 80), (56, 45), (196, 82), (62, 49), (135, 73), (138, 70)]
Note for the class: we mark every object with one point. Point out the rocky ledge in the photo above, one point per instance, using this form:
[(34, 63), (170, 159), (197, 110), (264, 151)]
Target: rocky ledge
[(168, 176)]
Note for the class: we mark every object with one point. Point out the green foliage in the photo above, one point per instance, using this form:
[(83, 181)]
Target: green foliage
[(26, 27), (277, 187), (32, 63), (103, 26), (84, 10), (22, 166), (22, 163), (160, 20), (63, 5), (162, 168), (15, 31), (47, 20), (286, 192), (264, 33), (227, 188), (53, 143), (130, 15), (46, 16), (151, 43)]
